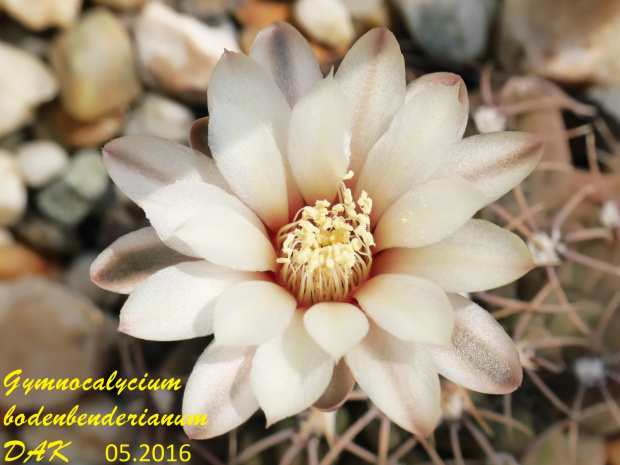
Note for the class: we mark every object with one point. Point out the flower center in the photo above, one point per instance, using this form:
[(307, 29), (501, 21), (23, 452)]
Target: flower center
[(325, 252)]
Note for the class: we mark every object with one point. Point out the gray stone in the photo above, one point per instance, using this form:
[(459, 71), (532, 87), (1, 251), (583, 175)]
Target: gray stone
[(87, 175), (448, 30), (161, 116)]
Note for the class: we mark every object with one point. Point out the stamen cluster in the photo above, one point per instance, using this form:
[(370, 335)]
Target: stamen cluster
[(325, 252)]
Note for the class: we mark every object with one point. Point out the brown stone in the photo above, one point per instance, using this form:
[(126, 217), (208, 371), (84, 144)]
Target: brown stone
[(17, 260), (261, 13), (95, 66)]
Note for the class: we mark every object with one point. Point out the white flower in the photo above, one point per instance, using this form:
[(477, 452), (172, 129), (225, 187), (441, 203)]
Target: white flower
[(312, 277)]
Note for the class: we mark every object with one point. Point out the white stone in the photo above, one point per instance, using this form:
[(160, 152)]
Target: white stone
[(177, 52), (6, 238), (326, 21), (13, 193), (161, 116), (25, 82), (41, 161), (41, 14)]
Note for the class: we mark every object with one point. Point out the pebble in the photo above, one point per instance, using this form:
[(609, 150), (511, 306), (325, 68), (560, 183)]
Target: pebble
[(55, 123), (17, 260), (41, 161), (258, 14), (161, 116), (573, 45), (13, 195), (370, 13), (87, 175), (42, 14), (70, 198), (26, 83), (48, 331), (177, 53), (450, 31), (121, 4), (326, 21), (6, 238), (97, 76), (46, 236), (208, 8)]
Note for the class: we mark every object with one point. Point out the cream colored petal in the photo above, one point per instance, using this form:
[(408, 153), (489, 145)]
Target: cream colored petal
[(413, 147), (140, 165), (428, 213), (372, 76), (131, 259), (339, 388), (201, 220), (288, 57), (248, 157), (399, 377), (241, 82), (410, 308), (482, 357), (494, 162), (177, 302), (219, 387), (251, 313), (477, 257), (421, 84), (290, 372), (319, 141), (336, 327)]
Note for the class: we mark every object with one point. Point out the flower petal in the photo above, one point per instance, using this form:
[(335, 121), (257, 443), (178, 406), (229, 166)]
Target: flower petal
[(219, 386), (288, 57), (319, 140), (482, 356), (477, 257), (290, 372), (372, 76), (201, 220), (413, 147), (177, 302), (336, 327), (428, 213), (412, 309), (399, 377), (421, 84), (494, 162), (199, 136), (139, 165), (339, 388), (131, 259), (242, 83), (249, 159), (251, 313)]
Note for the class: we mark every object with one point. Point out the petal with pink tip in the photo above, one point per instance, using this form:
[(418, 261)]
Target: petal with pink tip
[(413, 147), (131, 259), (494, 162), (421, 84), (201, 220), (339, 388), (372, 76), (412, 309), (399, 377), (477, 257), (290, 372), (251, 313), (319, 140), (288, 57), (177, 302), (482, 357), (336, 327), (428, 213), (140, 165), (219, 387), (249, 159)]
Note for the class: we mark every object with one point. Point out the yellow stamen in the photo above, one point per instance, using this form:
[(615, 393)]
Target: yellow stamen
[(325, 252)]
